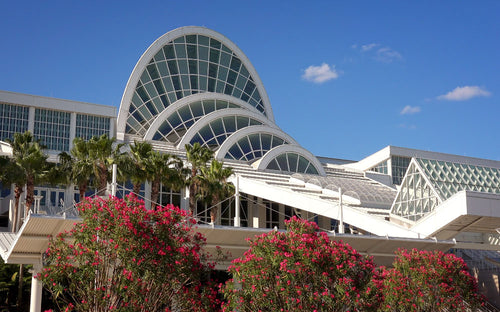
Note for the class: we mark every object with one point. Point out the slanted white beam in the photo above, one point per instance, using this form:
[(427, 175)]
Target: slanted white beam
[(466, 211), (329, 209)]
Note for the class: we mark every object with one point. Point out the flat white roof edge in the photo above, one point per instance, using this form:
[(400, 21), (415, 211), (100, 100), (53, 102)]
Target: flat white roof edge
[(86, 108)]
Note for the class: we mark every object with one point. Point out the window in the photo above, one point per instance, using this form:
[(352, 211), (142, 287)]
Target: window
[(381, 168), (52, 128), (13, 119), (228, 212), (399, 166), (88, 126), (272, 214)]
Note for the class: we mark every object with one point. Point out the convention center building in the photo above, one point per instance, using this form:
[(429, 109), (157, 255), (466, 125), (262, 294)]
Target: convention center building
[(195, 85)]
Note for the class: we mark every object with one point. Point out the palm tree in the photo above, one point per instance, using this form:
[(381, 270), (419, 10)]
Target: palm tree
[(214, 185), (197, 156), (13, 175), (28, 166), (103, 152), (77, 165), (166, 169), (137, 163)]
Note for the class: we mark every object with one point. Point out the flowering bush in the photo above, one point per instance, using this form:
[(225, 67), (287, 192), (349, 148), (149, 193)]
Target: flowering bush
[(427, 281), (300, 270), (123, 257)]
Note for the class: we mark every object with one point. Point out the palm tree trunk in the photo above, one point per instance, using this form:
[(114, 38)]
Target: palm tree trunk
[(192, 198), (103, 180), (18, 190), (136, 188), (20, 288), (30, 191), (82, 188), (155, 190), (213, 210)]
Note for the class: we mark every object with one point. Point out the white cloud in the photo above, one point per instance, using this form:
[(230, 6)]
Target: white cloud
[(368, 47), (409, 110), (320, 74), (387, 55), (379, 52), (464, 93)]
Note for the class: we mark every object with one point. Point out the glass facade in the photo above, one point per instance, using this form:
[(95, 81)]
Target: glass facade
[(292, 162), (217, 131), (175, 126), (88, 126), (13, 118), (399, 166), (188, 65), (169, 196), (272, 214), (253, 146), (52, 128), (202, 213), (416, 197), (381, 168), (227, 213)]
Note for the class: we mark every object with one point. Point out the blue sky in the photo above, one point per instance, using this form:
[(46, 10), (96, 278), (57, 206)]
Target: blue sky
[(345, 78)]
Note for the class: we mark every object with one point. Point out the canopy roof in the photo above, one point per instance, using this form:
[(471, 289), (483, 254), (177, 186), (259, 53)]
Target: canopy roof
[(30, 242)]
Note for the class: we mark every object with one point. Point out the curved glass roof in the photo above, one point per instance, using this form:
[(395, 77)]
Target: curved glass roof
[(217, 131), (188, 65), (253, 146), (355, 185), (175, 126), (292, 162)]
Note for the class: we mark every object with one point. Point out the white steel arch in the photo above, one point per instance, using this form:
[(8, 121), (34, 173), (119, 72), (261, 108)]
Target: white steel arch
[(196, 127), (159, 43), (262, 163), (190, 99), (233, 138)]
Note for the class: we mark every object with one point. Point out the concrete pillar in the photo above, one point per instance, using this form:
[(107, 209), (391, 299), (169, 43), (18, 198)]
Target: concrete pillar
[(341, 223), (147, 196), (31, 119), (113, 183), (72, 129), (36, 289), (237, 218)]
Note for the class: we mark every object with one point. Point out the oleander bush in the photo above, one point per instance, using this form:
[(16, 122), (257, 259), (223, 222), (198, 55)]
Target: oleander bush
[(123, 257), (300, 270), (428, 281)]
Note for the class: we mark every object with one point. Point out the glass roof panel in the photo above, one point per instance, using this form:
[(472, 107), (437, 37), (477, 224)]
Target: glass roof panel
[(210, 69), (450, 178)]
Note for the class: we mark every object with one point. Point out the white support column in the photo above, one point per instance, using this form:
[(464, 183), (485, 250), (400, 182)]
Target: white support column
[(185, 199), (237, 218), (72, 129), (31, 119), (113, 182), (389, 168), (36, 290), (341, 221), (112, 128), (147, 196)]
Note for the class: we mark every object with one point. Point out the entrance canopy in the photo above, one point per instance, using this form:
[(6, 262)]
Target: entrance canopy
[(30, 242), (382, 248)]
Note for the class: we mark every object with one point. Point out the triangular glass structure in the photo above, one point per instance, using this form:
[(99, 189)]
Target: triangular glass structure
[(416, 197), (428, 182)]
